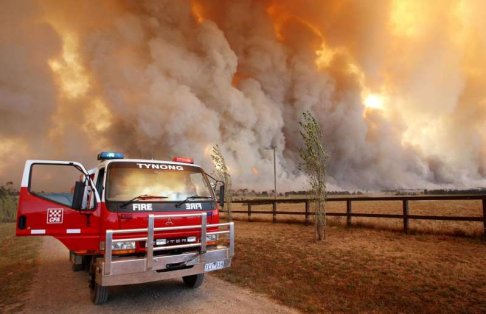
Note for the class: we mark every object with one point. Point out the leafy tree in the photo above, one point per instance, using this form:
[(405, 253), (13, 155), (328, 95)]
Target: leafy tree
[(314, 161), (223, 174)]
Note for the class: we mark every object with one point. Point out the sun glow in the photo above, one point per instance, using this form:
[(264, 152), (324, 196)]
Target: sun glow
[(374, 101)]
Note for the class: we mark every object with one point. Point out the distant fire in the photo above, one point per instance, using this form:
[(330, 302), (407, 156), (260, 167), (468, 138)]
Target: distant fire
[(197, 10), (397, 85), (68, 68)]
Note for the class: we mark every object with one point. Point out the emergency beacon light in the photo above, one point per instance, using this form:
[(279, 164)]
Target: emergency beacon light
[(110, 155), (183, 160)]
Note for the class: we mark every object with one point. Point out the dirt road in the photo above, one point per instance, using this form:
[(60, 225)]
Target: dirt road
[(57, 289)]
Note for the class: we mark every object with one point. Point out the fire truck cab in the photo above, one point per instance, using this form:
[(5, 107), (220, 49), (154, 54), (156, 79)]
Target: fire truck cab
[(128, 221)]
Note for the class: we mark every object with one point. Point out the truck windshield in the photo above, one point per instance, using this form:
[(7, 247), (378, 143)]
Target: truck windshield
[(172, 183)]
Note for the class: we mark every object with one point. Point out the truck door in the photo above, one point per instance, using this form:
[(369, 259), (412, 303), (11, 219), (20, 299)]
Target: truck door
[(58, 198)]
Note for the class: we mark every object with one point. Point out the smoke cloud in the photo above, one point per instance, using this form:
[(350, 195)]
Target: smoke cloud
[(398, 86)]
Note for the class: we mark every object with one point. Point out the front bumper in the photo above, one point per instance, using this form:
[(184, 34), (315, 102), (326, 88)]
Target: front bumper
[(112, 271), (133, 270)]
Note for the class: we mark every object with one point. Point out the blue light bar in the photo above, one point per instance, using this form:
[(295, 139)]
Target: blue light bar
[(110, 155)]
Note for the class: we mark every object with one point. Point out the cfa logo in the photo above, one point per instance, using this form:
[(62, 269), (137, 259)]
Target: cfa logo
[(55, 215), (142, 207)]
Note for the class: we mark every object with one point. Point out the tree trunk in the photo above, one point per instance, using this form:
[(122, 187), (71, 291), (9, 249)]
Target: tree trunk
[(324, 223), (320, 217), (229, 198)]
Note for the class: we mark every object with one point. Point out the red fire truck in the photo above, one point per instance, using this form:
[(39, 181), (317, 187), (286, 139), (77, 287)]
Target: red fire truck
[(128, 221)]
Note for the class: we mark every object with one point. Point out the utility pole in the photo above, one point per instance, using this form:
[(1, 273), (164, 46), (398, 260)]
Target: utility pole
[(274, 209), (274, 172)]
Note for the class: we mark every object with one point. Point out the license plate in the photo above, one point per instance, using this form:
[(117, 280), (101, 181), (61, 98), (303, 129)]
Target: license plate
[(214, 266)]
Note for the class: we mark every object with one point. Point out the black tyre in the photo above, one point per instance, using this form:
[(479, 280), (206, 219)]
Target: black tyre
[(86, 262), (99, 294), (72, 258), (193, 281), (77, 267)]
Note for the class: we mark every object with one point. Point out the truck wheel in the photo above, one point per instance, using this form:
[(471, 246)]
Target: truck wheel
[(77, 267), (99, 294), (193, 281), (86, 263), (76, 261)]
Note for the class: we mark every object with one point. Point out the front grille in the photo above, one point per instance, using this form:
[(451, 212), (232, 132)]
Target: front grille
[(174, 241)]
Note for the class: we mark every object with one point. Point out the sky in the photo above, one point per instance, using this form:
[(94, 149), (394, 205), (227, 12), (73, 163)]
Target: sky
[(397, 87)]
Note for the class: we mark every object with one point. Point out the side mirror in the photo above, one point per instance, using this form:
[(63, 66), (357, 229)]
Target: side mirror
[(78, 195), (221, 195)]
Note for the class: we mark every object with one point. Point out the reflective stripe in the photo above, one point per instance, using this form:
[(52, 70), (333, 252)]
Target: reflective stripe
[(73, 230), (38, 231)]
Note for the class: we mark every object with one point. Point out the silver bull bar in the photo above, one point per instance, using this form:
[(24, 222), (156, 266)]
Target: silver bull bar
[(132, 270)]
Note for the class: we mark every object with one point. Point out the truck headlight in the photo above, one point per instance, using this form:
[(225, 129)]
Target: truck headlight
[(211, 237), (123, 245)]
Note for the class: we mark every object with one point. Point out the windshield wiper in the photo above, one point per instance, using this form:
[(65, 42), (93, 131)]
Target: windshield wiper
[(141, 197), (191, 198)]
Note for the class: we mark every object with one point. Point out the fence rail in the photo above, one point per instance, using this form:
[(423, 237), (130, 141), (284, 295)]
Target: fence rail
[(406, 216)]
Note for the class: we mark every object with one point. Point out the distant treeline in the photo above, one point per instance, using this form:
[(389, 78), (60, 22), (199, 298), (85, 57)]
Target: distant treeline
[(292, 193), (253, 193), (476, 191), (8, 202), (246, 192), (445, 191)]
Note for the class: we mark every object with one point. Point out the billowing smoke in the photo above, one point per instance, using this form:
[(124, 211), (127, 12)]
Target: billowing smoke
[(398, 86)]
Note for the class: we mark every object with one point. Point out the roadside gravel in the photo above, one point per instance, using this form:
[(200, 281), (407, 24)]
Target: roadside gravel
[(57, 289)]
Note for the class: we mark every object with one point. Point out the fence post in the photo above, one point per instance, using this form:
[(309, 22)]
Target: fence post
[(348, 213), (249, 212), (484, 216), (307, 207), (274, 211), (405, 216)]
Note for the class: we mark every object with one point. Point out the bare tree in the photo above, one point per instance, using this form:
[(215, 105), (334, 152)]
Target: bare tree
[(314, 161), (222, 174)]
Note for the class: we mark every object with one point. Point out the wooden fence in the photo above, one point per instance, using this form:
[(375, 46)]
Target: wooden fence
[(349, 208)]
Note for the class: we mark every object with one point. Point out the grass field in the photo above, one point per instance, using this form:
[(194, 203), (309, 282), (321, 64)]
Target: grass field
[(356, 270), (359, 269), (437, 208), (17, 267)]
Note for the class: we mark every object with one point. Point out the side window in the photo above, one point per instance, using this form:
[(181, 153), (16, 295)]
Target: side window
[(54, 182), (99, 181)]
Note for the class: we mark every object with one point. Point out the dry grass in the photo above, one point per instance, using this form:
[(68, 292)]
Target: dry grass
[(17, 267), (471, 208), (360, 270)]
